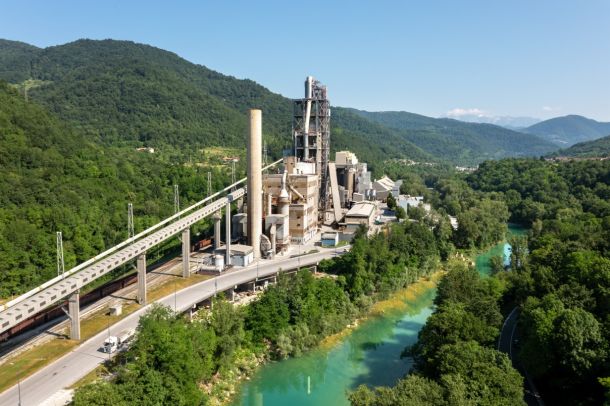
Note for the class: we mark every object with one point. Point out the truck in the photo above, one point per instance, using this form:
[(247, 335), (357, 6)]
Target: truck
[(114, 343)]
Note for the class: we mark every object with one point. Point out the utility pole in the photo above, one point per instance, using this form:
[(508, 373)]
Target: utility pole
[(19, 390), (233, 174), (60, 254), (130, 226), (176, 199), (209, 184)]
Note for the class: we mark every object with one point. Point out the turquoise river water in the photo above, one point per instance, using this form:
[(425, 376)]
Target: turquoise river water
[(369, 355)]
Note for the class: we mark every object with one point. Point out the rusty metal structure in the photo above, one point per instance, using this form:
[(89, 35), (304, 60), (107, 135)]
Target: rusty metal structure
[(311, 135)]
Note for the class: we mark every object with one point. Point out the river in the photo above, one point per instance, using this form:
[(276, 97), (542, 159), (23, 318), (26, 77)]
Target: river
[(369, 355)]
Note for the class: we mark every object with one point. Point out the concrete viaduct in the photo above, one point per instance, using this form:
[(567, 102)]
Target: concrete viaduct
[(69, 284)]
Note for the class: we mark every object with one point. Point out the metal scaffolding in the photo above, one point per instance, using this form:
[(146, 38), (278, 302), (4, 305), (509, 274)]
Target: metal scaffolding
[(311, 134)]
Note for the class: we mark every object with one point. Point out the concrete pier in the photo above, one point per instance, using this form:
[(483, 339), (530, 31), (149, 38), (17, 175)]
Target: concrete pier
[(216, 217), (186, 252), (141, 265), (74, 313), (228, 234)]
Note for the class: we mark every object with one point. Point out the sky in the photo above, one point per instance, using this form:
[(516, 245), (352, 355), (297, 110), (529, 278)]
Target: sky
[(539, 59)]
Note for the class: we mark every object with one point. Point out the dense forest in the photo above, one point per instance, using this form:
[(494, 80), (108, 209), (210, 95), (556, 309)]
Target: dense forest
[(561, 282), (558, 280), (53, 179), (122, 92)]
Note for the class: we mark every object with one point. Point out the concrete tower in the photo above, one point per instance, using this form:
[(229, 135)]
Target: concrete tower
[(255, 181)]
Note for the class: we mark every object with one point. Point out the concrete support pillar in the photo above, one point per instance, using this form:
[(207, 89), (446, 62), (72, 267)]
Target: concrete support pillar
[(74, 313), (228, 234), (231, 294), (217, 217), (255, 182), (186, 252), (141, 265)]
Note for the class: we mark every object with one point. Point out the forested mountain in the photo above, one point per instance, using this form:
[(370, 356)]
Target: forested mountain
[(457, 140), (596, 148), (53, 179), (15, 60), (119, 92), (569, 130)]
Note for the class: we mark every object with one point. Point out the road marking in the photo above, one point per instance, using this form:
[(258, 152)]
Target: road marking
[(510, 345), (504, 326)]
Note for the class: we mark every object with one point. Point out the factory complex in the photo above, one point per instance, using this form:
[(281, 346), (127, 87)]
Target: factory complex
[(307, 199)]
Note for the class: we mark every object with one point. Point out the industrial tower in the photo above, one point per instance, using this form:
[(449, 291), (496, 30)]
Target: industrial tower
[(311, 134)]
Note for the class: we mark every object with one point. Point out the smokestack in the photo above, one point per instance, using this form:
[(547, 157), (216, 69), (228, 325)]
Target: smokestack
[(308, 95), (255, 182)]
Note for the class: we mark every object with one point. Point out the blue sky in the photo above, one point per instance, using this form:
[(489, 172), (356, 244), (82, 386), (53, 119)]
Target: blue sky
[(520, 58)]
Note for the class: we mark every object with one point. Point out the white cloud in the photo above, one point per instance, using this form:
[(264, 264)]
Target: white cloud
[(550, 109), (458, 112)]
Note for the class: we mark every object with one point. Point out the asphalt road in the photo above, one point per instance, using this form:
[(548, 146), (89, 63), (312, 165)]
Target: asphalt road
[(73, 366), (506, 344)]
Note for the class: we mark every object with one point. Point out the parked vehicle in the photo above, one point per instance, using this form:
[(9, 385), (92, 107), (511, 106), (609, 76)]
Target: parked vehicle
[(114, 343)]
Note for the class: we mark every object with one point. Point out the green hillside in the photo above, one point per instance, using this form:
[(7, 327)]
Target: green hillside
[(569, 130), (459, 141), (53, 179), (122, 93), (596, 148), (15, 60)]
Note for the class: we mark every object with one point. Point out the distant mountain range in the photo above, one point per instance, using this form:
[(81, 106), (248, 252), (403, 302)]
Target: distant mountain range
[(120, 93), (569, 130), (465, 142)]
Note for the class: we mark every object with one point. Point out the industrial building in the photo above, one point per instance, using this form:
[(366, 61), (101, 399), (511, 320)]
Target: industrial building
[(362, 213), (309, 191), (385, 186)]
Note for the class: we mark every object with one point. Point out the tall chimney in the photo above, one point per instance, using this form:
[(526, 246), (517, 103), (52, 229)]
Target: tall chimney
[(255, 182)]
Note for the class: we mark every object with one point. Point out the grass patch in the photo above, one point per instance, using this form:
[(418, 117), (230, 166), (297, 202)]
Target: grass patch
[(91, 377), (174, 284), (32, 360)]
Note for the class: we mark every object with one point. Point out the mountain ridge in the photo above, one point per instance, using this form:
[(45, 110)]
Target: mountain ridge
[(125, 93), (568, 130), (470, 141)]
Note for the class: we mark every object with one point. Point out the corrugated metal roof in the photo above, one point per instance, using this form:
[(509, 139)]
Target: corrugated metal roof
[(362, 209)]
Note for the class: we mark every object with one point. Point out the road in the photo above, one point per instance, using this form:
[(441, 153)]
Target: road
[(506, 344), (73, 366)]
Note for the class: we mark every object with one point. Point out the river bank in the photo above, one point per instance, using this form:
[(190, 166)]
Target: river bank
[(358, 354), (368, 352)]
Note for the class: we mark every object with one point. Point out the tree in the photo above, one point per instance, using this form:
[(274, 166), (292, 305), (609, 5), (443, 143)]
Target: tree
[(391, 202), (412, 390), (401, 214), (486, 376)]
